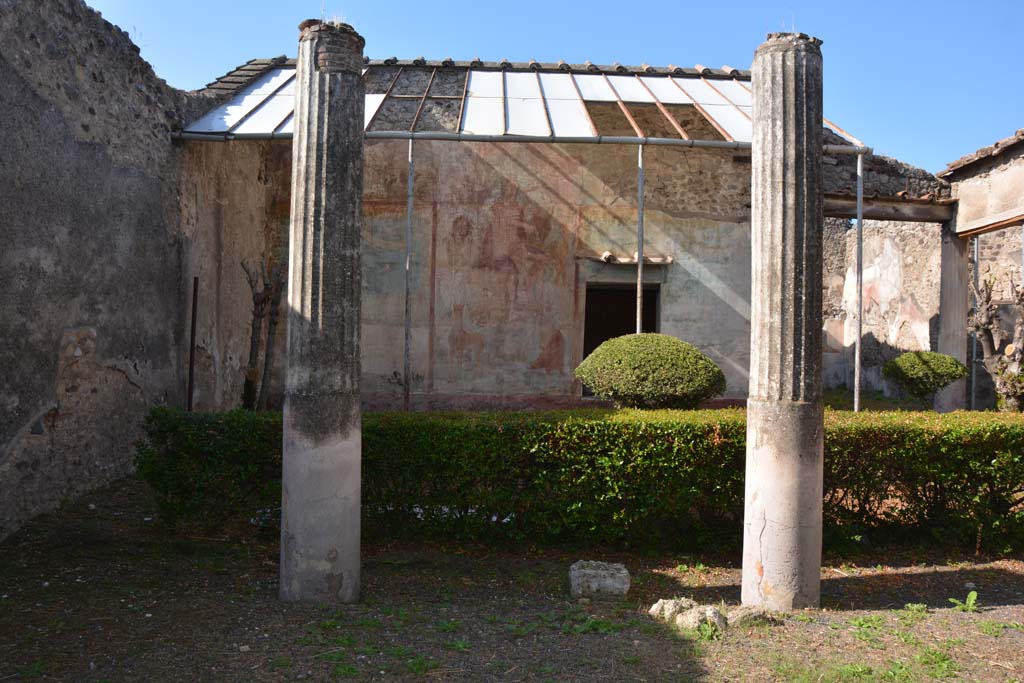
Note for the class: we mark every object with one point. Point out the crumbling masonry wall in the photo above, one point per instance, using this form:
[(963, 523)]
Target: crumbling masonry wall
[(90, 304), (506, 239)]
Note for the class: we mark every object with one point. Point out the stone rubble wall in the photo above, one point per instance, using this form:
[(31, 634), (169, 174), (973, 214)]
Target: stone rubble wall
[(91, 306)]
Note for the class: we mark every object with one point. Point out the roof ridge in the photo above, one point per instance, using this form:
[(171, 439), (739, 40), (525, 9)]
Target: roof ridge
[(995, 149), (243, 74)]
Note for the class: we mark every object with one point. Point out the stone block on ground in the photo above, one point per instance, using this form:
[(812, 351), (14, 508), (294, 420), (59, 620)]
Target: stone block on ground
[(668, 609), (704, 614), (598, 579), (749, 615)]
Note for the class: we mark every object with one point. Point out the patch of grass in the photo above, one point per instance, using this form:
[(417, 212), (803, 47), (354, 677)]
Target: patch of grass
[(34, 670), (281, 662), (421, 665), (399, 652), (458, 645), (913, 613), (519, 629), (804, 618), (707, 632), (447, 626), (937, 663), (630, 660), (898, 672), (992, 628), (346, 671), (868, 629), (794, 672)]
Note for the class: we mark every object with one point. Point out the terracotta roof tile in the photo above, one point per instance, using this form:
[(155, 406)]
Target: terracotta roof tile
[(984, 153)]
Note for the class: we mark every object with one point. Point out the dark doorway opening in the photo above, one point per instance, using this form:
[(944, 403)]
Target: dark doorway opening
[(611, 312)]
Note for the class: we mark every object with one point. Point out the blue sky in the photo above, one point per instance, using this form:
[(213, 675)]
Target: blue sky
[(926, 82)]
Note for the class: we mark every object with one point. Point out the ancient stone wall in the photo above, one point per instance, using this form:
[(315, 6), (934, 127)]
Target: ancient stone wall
[(901, 297), (90, 305), (506, 240), (990, 190)]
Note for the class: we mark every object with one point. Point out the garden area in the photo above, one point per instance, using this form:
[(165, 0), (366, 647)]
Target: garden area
[(471, 522)]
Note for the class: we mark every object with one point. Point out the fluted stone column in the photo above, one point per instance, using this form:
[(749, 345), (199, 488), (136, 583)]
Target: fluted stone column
[(782, 521), (322, 431)]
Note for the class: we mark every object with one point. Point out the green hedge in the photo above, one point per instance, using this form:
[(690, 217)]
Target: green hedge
[(667, 479)]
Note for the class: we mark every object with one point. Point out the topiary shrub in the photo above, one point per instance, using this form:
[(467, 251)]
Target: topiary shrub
[(922, 373), (651, 371)]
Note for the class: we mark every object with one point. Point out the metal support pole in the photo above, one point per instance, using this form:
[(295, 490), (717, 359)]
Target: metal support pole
[(640, 240), (974, 335), (192, 342), (860, 283), (406, 359)]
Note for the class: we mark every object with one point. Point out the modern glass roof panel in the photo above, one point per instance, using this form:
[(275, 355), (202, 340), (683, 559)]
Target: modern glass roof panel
[(630, 89), (271, 112), (558, 87), (594, 87), (485, 84), (569, 119), (734, 92), (484, 116), (665, 90), (700, 91), (513, 102), (373, 103), (728, 117)]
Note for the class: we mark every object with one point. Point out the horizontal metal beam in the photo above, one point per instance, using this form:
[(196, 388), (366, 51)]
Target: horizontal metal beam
[(469, 137), (891, 209)]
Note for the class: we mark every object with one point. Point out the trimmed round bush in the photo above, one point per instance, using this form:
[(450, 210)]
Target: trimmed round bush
[(922, 373), (651, 371)]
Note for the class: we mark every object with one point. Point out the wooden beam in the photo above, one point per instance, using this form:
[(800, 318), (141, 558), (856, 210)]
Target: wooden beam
[(890, 209)]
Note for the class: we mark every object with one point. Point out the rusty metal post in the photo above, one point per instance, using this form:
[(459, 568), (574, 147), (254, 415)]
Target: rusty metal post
[(192, 343), (407, 354)]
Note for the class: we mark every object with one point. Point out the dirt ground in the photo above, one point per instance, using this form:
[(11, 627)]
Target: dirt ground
[(99, 592)]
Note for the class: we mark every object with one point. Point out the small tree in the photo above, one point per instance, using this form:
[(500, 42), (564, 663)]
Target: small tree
[(1004, 363), (922, 373)]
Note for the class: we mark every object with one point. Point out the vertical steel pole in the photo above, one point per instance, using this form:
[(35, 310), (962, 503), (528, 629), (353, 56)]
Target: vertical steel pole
[(860, 282), (192, 342), (974, 335), (406, 359), (640, 240)]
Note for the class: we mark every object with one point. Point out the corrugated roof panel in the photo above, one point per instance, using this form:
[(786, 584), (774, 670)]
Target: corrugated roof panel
[(630, 89), (558, 87), (595, 88), (665, 90), (734, 92), (569, 118), (485, 84), (737, 125), (267, 116), (484, 116)]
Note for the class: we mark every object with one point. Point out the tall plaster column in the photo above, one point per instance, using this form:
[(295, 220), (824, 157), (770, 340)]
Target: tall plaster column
[(322, 421), (782, 517), (954, 304)]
